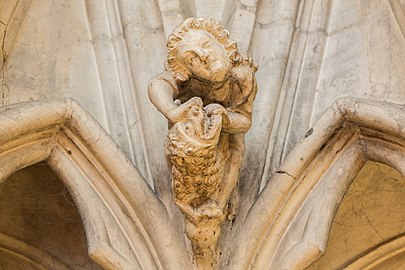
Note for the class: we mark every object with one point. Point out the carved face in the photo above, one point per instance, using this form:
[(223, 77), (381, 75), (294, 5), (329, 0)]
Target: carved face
[(196, 130), (192, 148), (204, 56)]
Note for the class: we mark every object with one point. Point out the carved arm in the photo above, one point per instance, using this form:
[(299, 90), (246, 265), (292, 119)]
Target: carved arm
[(161, 93), (240, 116), (236, 123)]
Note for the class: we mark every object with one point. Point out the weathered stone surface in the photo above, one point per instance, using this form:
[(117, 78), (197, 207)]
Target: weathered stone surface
[(371, 213), (40, 224), (103, 53), (310, 54), (206, 94)]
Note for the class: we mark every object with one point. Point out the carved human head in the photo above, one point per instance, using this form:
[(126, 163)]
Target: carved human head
[(201, 48)]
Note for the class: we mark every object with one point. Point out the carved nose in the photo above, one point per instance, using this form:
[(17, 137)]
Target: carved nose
[(203, 55)]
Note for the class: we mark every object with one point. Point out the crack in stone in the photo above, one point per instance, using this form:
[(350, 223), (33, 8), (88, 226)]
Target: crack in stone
[(269, 24), (3, 85), (284, 172)]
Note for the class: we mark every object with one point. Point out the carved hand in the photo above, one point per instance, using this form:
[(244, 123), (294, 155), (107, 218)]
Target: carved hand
[(217, 109), (180, 111)]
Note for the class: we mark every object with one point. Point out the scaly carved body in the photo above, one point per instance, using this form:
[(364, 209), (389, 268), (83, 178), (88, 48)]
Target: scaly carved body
[(205, 144), (192, 146)]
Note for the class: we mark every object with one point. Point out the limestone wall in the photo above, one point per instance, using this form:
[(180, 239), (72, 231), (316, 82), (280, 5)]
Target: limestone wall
[(102, 53)]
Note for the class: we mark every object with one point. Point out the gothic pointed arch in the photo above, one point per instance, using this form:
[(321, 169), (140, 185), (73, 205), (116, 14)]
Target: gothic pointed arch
[(126, 225), (288, 226)]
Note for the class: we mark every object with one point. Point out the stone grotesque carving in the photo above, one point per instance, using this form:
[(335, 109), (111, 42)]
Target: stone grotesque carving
[(206, 93)]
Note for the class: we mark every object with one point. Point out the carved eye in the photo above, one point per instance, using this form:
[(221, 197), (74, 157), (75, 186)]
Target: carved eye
[(189, 130), (191, 57)]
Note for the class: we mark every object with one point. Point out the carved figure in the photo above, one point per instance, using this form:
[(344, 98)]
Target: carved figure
[(206, 93)]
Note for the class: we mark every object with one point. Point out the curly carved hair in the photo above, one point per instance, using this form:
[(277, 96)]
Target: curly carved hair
[(213, 27)]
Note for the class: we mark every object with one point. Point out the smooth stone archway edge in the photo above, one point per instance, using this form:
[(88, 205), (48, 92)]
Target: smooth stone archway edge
[(126, 225), (288, 226)]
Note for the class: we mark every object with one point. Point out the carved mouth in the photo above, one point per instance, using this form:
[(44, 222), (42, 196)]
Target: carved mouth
[(199, 130), (213, 127)]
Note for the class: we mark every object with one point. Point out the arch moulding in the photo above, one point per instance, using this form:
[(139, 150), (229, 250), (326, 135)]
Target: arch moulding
[(288, 226), (127, 226)]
